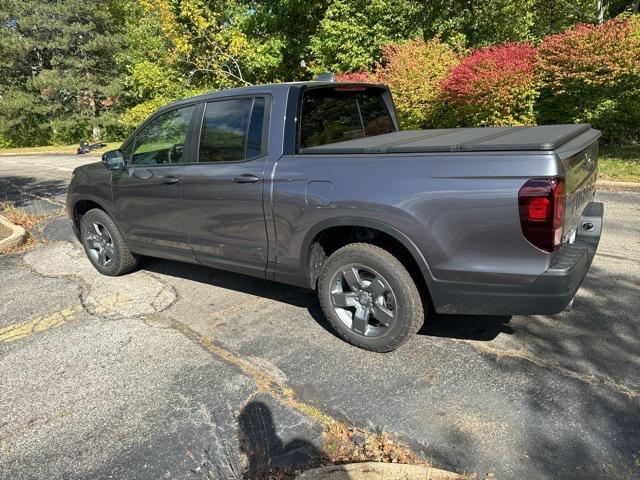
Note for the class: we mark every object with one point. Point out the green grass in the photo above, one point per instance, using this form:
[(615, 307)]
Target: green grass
[(57, 149), (619, 163)]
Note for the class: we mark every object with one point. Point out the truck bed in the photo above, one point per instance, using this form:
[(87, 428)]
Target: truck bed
[(541, 138)]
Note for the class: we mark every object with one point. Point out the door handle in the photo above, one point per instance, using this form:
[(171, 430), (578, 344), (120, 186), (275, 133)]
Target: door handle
[(169, 180), (246, 178)]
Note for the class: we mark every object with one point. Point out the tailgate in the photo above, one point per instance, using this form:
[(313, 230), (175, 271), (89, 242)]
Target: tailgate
[(580, 179)]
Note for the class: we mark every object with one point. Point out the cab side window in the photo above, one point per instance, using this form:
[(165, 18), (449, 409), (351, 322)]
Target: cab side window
[(232, 130), (162, 141)]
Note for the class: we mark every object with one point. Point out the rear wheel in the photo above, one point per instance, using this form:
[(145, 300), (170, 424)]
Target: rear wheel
[(104, 244), (369, 297)]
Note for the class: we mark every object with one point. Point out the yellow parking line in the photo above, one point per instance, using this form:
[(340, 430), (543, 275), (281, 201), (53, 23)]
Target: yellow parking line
[(40, 324)]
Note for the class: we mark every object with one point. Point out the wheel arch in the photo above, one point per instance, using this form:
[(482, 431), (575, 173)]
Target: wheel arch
[(82, 205), (317, 231)]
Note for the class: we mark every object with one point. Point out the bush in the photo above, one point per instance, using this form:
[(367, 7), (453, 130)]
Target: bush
[(592, 74), (493, 86), (361, 76), (414, 71)]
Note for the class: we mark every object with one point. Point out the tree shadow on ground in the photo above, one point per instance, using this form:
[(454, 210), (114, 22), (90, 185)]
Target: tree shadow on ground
[(30, 194), (593, 431), (16, 185)]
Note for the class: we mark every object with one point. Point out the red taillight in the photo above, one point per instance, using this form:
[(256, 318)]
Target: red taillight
[(539, 209), (541, 202)]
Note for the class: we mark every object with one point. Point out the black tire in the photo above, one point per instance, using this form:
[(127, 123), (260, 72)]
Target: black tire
[(119, 260), (378, 264)]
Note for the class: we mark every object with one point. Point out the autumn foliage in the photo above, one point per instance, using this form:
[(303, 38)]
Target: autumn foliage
[(361, 76), (494, 86), (414, 71), (592, 74), (586, 74)]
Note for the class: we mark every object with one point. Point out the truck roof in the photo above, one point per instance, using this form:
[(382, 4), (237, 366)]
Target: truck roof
[(265, 88)]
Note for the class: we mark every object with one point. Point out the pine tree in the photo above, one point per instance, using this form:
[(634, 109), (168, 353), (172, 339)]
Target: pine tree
[(58, 74)]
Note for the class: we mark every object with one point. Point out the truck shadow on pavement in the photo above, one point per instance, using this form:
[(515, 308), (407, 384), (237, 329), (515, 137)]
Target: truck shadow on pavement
[(469, 327), (466, 327)]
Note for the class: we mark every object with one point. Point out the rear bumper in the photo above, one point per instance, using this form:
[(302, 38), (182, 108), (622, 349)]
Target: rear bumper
[(550, 293)]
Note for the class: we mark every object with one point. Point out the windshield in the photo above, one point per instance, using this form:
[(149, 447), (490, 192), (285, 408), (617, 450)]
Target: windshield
[(336, 114)]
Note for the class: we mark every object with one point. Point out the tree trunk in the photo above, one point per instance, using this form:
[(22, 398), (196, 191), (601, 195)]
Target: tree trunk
[(600, 11), (96, 128)]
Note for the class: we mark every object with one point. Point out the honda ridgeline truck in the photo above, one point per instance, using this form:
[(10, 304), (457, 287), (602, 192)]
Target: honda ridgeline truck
[(314, 184)]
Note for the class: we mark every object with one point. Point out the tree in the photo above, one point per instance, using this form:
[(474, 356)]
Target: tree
[(479, 23), (352, 32), (177, 48), (60, 79), (286, 27)]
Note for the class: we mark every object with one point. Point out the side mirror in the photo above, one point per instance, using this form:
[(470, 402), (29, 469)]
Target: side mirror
[(113, 160)]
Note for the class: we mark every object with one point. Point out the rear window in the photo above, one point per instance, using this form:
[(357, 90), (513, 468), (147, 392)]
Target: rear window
[(336, 114)]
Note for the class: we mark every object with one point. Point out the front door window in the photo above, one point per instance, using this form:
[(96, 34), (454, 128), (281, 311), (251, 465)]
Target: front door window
[(162, 141)]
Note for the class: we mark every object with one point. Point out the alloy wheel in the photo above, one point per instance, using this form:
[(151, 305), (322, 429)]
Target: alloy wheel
[(100, 245), (363, 300)]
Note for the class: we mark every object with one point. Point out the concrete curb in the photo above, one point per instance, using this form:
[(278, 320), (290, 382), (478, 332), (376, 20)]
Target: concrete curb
[(378, 471), (16, 238), (618, 186)]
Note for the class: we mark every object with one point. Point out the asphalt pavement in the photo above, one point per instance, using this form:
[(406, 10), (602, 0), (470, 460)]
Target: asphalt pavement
[(180, 371)]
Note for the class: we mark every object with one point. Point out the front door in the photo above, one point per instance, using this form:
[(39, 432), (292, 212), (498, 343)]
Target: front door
[(222, 191), (147, 193)]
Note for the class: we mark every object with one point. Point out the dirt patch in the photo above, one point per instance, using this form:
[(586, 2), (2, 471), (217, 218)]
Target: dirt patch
[(345, 444), (18, 217), (30, 223)]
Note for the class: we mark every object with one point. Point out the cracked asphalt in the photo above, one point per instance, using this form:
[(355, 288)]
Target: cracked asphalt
[(179, 371)]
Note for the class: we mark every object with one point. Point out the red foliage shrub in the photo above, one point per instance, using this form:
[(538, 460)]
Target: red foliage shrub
[(494, 86), (357, 77)]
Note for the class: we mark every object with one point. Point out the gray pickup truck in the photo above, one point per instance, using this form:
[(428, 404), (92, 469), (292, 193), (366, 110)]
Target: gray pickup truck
[(314, 184)]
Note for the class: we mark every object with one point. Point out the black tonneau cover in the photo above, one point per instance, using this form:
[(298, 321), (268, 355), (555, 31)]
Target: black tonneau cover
[(547, 137)]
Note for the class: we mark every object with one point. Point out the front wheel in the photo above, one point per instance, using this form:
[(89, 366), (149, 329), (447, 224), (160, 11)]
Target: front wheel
[(369, 297), (104, 244)]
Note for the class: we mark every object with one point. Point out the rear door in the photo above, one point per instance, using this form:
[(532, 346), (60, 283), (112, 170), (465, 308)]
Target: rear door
[(222, 189), (147, 193)]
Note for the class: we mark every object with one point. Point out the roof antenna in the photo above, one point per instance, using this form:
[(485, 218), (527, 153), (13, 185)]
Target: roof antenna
[(325, 77)]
